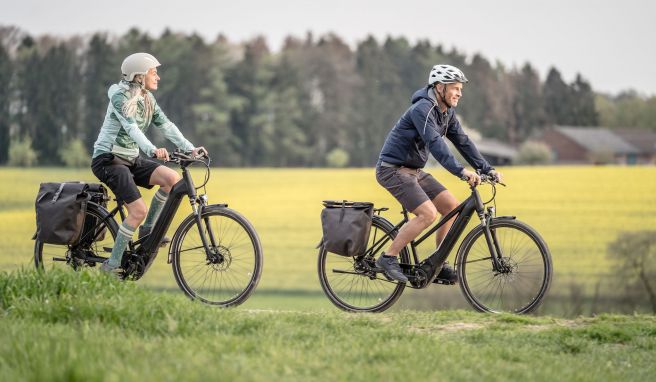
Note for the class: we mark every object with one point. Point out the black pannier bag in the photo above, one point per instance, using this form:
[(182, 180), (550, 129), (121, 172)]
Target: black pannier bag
[(346, 226), (60, 210)]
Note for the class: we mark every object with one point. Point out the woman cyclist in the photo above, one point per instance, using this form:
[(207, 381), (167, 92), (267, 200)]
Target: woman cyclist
[(116, 161)]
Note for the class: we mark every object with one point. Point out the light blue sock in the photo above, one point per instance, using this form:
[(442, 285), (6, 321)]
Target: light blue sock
[(123, 237), (155, 208)]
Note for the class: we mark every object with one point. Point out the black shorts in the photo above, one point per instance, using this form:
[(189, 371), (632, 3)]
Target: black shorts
[(123, 178), (411, 187)]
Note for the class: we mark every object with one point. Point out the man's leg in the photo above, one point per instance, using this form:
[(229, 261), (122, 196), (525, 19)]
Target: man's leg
[(444, 202), (426, 215), (388, 261)]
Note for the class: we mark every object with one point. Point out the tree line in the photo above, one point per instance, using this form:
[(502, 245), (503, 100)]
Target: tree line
[(315, 102)]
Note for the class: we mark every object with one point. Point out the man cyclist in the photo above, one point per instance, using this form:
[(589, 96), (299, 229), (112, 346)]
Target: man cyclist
[(116, 162), (422, 128)]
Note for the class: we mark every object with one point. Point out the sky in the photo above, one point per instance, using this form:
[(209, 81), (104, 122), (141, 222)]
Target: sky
[(610, 43)]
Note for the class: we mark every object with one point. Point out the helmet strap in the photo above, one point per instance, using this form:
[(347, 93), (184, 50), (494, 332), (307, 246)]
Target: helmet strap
[(441, 97)]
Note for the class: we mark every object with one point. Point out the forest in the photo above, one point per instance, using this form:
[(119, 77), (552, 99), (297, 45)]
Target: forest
[(315, 102)]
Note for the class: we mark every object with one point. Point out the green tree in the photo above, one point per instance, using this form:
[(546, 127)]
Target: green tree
[(290, 140), (583, 111), (101, 69), (185, 69), (253, 118), (556, 99), (5, 100), (212, 110), (527, 105)]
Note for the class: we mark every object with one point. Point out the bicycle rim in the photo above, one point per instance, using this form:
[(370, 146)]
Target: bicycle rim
[(350, 286), (226, 281), (521, 286)]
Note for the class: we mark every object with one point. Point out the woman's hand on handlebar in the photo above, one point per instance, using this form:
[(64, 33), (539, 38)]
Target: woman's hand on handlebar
[(199, 152), (161, 154)]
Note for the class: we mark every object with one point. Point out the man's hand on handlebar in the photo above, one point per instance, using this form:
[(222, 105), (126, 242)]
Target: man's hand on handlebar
[(471, 177), (497, 176)]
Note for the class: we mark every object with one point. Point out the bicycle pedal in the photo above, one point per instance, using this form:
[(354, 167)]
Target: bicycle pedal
[(443, 282)]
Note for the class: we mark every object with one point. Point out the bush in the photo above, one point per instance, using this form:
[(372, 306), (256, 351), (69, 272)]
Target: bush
[(75, 154), (337, 158), (21, 153), (633, 255), (534, 153)]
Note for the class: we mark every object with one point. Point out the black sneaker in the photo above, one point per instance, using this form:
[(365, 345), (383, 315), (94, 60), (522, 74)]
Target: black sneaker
[(447, 275), (143, 232), (390, 264)]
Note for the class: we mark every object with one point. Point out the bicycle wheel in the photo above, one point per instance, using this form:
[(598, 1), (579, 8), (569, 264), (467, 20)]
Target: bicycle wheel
[(350, 283), (232, 270), (99, 233), (524, 279)]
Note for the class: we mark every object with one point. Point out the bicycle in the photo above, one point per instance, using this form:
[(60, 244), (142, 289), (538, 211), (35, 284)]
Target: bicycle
[(215, 252), (503, 264)]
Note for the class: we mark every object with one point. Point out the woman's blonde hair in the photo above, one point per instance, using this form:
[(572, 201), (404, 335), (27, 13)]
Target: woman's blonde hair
[(137, 89)]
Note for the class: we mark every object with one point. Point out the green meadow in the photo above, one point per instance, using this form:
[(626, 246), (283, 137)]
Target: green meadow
[(578, 211), (68, 326)]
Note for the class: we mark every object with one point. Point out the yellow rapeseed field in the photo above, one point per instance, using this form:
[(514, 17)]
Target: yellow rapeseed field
[(578, 211)]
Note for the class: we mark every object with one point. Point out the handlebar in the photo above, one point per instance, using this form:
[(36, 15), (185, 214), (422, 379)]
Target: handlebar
[(486, 179), (179, 157)]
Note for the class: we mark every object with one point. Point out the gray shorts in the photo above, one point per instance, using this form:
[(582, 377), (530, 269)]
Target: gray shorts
[(411, 187)]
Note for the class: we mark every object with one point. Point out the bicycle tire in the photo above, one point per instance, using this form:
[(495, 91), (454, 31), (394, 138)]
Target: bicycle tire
[(355, 292), (232, 280), (78, 256), (523, 287)]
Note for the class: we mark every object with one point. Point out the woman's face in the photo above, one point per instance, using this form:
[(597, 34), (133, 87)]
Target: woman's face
[(151, 79)]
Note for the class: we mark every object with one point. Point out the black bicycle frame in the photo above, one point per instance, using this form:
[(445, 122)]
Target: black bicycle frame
[(150, 244), (463, 214)]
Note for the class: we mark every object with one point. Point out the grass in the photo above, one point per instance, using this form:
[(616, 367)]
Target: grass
[(578, 210), (84, 327)]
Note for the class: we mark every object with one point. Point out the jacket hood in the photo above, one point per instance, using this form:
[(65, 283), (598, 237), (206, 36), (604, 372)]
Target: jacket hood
[(121, 86), (424, 93)]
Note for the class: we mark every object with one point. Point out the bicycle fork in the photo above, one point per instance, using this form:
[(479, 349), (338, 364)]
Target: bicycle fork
[(204, 226), (491, 240)]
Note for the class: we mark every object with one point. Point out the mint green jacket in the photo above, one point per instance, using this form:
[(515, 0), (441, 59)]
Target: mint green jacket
[(128, 132)]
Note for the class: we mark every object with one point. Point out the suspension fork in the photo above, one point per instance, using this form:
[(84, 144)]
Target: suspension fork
[(490, 235), (198, 211)]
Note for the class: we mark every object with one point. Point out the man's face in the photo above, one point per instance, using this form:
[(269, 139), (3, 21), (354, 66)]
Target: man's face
[(452, 93), (151, 80)]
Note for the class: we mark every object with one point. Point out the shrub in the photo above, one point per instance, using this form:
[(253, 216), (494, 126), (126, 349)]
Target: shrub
[(74, 154), (534, 153), (633, 255), (21, 152), (337, 158)]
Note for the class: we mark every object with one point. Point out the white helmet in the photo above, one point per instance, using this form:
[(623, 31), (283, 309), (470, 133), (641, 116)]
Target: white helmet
[(446, 74), (138, 63)]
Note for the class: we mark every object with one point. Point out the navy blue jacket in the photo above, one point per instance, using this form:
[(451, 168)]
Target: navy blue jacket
[(422, 128)]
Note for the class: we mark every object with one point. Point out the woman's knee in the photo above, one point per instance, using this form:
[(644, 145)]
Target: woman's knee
[(165, 177)]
